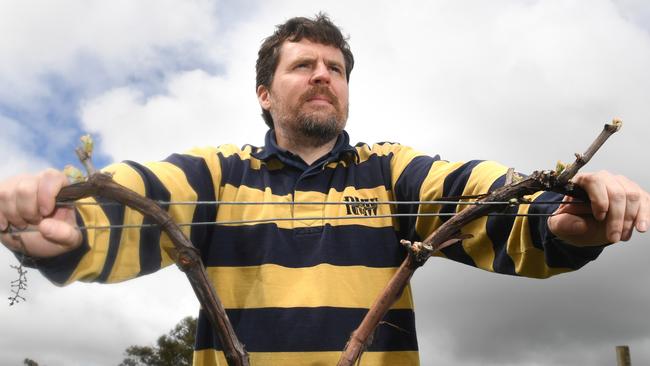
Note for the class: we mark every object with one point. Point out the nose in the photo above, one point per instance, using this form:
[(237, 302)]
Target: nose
[(321, 74)]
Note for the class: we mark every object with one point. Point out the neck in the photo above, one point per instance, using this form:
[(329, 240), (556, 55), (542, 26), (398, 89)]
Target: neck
[(307, 151)]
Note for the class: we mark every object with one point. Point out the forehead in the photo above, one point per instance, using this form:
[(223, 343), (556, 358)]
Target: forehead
[(290, 51)]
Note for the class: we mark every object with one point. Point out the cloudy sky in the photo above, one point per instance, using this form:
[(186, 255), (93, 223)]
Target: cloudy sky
[(523, 82)]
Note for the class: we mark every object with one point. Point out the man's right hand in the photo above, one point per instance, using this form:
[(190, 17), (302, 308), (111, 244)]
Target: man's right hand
[(30, 201)]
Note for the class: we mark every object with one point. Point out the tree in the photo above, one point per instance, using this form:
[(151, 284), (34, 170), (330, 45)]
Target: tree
[(172, 349), (29, 362)]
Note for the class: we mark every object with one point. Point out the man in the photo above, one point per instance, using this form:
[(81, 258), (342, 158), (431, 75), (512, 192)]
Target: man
[(295, 289)]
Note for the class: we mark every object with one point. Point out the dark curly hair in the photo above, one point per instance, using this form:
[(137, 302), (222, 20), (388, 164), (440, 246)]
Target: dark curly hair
[(320, 30)]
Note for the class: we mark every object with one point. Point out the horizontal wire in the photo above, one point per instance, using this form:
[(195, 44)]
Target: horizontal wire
[(254, 203), (14, 230), (278, 219)]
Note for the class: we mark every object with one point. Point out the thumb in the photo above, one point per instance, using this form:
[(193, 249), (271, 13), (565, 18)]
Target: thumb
[(60, 232), (566, 224), (577, 229)]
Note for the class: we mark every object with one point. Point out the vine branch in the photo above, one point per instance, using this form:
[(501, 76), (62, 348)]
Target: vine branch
[(449, 233), (186, 256)]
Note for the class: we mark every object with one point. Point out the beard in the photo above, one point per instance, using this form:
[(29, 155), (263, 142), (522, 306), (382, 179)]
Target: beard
[(313, 128), (317, 131)]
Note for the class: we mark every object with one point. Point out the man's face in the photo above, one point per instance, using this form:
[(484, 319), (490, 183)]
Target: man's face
[(308, 98)]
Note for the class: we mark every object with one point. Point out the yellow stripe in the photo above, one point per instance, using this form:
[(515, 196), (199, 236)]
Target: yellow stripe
[(180, 189), (335, 164), (402, 156), (362, 216), (210, 357), (229, 150), (127, 261), (480, 247), (297, 210), (433, 188), (271, 285), (529, 261), (92, 263), (252, 212)]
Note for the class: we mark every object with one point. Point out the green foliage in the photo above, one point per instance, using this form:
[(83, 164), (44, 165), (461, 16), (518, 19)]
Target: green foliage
[(172, 349), (29, 362)]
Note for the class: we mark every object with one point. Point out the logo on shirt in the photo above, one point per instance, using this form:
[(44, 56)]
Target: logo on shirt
[(361, 206)]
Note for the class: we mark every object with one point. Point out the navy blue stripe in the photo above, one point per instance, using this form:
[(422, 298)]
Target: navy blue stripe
[(198, 175), (336, 245), (454, 186), (372, 173), (309, 329), (407, 188), (498, 230), (539, 236), (150, 257), (409, 183), (237, 172), (556, 252), (455, 183), (115, 214)]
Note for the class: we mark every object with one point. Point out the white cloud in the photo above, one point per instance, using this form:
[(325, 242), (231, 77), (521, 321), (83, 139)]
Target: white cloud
[(499, 70), (114, 39), (197, 109)]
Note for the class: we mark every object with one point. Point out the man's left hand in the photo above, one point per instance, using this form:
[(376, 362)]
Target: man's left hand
[(618, 206)]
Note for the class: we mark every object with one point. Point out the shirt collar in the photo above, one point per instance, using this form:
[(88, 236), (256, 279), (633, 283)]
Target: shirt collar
[(271, 149)]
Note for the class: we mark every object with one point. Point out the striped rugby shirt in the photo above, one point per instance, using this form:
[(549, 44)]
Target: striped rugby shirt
[(295, 289)]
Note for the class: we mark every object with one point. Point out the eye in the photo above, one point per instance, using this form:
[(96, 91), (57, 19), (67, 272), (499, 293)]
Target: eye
[(337, 69)]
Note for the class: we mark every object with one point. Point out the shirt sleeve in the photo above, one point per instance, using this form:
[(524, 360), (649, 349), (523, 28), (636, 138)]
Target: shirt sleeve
[(119, 243), (509, 244)]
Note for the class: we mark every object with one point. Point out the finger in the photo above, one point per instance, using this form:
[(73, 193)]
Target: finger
[(596, 188), (608, 198), (644, 214), (61, 233), (11, 241), (26, 207), (8, 208), (3, 223), (633, 197), (570, 206), (564, 224), (616, 214), (7, 203), (33, 244), (50, 184), (578, 230)]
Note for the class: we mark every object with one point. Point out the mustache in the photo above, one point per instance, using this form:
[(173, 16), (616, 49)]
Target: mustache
[(320, 90)]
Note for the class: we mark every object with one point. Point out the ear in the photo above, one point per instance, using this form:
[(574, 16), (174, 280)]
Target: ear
[(263, 97)]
